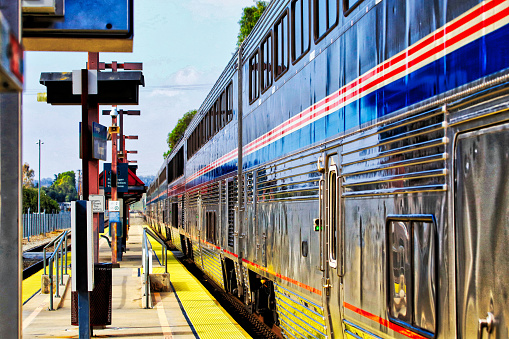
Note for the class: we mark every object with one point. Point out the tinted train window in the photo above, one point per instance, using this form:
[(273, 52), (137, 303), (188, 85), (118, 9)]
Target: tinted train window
[(349, 6), (229, 101), (412, 272), (254, 90), (300, 28), (210, 225), (222, 118), (213, 125), (266, 65), (281, 46), (326, 16)]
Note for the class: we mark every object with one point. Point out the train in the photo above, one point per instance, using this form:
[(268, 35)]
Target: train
[(346, 175)]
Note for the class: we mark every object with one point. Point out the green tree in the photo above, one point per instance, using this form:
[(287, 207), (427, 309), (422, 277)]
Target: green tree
[(63, 188), (30, 201), (249, 18), (28, 175), (178, 131)]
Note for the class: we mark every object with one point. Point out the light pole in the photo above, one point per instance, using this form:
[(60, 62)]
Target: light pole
[(39, 185)]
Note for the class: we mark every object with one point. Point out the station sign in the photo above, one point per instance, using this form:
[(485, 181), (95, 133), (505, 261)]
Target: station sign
[(114, 217), (122, 178), (97, 201), (114, 206), (99, 141)]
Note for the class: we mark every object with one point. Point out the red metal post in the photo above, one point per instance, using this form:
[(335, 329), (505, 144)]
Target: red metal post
[(122, 143), (93, 164)]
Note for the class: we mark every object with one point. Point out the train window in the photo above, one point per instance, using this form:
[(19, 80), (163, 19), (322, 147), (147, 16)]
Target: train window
[(210, 225), (216, 113), (281, 46), (325, 16), (213, 122), (300, 28), (176, 166), (222, 117), (199, 136), (174, 214), (350, 5), (266, 65), (254, 89), (229, 100), (208, 121), (412, 272), (204, 132)]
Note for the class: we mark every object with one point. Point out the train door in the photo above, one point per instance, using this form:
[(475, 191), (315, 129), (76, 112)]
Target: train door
[(482, 233), (330, 192)]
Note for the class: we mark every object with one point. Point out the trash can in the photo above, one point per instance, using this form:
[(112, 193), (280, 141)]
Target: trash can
[(100, 298)]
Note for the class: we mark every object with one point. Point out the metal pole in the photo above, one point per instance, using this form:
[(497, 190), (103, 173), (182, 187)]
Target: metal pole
[(29, 227), (146, 270), (55, 253), (50, 284), (114, 197), (66, 246), (39, 184), (81, 257), (62, 264)]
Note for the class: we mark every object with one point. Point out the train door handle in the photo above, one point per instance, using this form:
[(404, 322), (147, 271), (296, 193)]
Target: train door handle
[(487, 323)]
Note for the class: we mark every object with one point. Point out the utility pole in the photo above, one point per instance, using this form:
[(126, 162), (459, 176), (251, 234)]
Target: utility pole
[(39, 185)]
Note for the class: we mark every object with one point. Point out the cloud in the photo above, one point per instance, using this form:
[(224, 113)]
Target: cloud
[(187, 76), (186, 79), (170, 93)]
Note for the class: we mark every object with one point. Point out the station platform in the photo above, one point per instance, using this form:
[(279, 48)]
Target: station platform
[(188, 311)]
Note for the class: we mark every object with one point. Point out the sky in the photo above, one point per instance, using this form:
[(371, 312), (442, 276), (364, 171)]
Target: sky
[(183, 45)]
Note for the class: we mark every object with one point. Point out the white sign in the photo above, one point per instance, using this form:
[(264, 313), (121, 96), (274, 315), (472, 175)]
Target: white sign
[(76, 82), (97, 201), (90, 247), (114, 206)]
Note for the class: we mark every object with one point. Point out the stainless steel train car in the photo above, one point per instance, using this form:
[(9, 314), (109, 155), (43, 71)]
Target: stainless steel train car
[(346, 175)]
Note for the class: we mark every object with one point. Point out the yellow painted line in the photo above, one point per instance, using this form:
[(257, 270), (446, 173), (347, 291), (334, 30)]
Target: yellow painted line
[(32, 285), (208, 318), (165, 326)]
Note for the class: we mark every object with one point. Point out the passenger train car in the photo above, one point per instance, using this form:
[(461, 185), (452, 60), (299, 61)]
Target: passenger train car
[(346, 175)]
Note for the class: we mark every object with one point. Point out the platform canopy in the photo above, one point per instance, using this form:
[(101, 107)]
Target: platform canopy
[(135, 190), (114, 88)]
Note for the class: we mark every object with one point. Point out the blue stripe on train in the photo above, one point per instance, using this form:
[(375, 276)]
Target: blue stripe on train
[(480, 58)]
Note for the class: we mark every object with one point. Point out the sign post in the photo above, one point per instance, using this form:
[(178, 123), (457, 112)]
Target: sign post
[(114, 204)]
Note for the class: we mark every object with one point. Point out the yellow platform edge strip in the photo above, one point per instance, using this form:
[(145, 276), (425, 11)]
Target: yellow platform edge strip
[(208, 318)]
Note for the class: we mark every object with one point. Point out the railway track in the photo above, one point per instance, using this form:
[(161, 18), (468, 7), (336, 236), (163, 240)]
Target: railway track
[(32, 266)]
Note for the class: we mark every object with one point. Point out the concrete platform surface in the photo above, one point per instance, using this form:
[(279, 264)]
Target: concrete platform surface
[(167, 319)]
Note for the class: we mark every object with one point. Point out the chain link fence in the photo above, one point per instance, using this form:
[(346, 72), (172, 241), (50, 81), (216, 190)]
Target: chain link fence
[(35, 224)]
